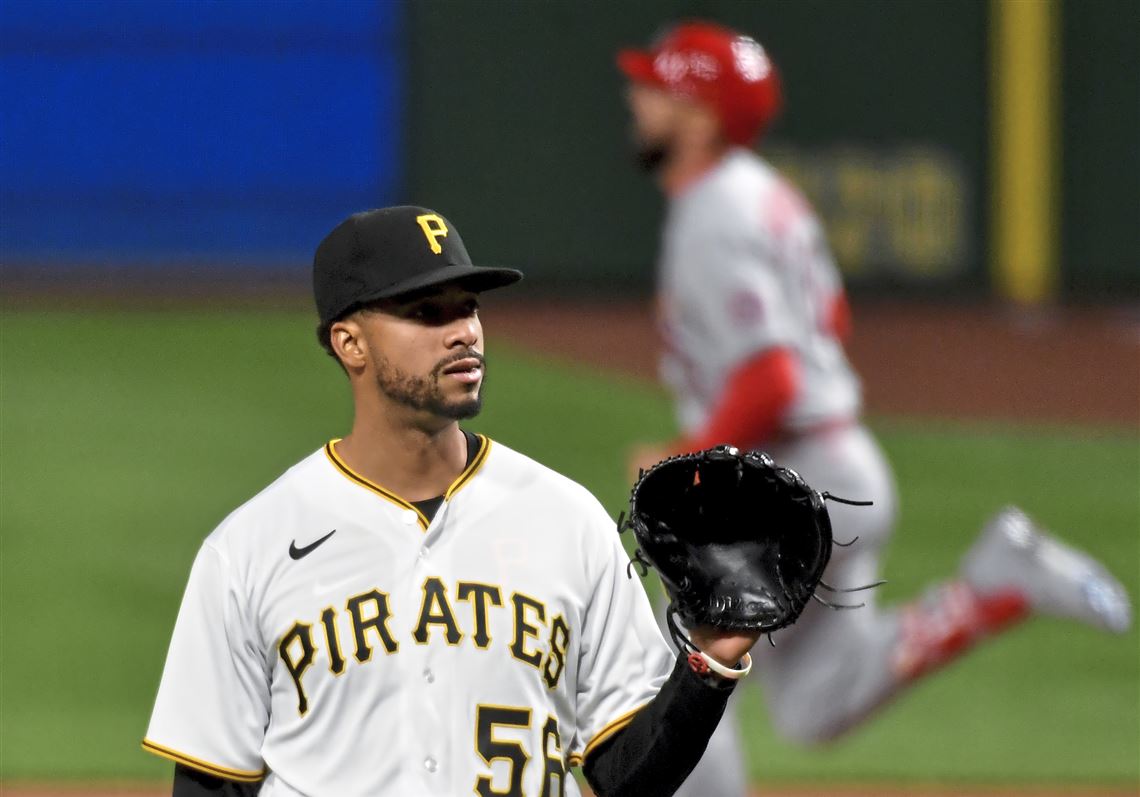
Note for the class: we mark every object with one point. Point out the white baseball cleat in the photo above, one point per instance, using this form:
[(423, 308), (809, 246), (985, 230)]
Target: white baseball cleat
[(1055, 578)]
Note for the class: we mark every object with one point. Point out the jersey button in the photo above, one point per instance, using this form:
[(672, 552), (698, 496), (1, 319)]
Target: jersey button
[(429, 676), (430, 764), (424, 552), (409, 517)]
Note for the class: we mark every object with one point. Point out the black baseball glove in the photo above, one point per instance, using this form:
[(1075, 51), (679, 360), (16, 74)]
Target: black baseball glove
[(739, 542)]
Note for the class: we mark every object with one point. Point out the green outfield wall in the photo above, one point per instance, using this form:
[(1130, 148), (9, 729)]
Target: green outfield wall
[(1100, 147), (518, 131), (952, 147)]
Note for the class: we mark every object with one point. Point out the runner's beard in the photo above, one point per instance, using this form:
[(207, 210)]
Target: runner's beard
[(652, 155)]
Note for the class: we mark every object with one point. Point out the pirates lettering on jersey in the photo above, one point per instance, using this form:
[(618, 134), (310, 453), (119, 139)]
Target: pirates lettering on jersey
[(536, 642), (435, 610), (556, 660), (377, 621), (297, 662), (526, 606), (332, 641), (481, 596)]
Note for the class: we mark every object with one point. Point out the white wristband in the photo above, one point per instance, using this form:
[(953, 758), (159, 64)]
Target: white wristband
[(728, 672)]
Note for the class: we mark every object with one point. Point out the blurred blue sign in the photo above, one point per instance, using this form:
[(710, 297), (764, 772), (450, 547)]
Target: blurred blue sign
[(160, 133)]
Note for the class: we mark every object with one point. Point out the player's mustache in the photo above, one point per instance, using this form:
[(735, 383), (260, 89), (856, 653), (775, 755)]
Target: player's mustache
[(470, 354)]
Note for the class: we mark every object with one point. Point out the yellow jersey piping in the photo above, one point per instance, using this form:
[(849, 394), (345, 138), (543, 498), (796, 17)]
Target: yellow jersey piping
[(469, 472), (352, 475), (461, 481), (240, 775), (606, 732)]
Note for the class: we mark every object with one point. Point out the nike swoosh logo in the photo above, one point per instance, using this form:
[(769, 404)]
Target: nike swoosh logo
[(300, 553)]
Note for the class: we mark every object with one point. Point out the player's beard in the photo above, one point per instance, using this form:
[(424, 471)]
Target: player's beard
[(425, 393), (651, 155)]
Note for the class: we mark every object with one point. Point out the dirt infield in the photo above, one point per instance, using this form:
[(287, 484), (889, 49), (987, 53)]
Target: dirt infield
[(934, 360), (931, 359)]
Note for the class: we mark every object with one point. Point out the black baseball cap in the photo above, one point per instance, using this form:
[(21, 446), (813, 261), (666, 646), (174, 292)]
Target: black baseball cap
[(389, 252)]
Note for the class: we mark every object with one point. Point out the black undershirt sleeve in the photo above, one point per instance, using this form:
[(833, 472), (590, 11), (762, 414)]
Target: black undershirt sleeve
[(657, 750), (192, 783)]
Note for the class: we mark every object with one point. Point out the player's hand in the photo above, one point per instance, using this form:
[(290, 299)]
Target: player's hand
[(727, 647), (644, 456)]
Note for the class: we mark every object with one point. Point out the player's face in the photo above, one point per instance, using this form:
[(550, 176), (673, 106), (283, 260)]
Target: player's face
[(665, 126), (426, 353), (655, 117)]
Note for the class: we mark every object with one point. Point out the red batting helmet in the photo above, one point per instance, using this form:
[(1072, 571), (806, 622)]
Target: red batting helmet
[(726, 71)]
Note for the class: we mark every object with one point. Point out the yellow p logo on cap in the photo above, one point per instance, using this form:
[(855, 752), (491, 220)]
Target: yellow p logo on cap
[(433, 228)]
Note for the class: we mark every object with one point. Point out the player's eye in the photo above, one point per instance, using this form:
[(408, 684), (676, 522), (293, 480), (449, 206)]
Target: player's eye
[(427, 312), (436, 313)]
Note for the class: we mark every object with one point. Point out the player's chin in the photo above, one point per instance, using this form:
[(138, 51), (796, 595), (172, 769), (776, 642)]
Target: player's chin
[(461, 410), (461, 405), (459, 400)]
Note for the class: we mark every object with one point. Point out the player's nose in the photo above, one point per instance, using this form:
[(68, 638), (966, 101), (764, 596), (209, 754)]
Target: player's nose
[(463, 332)]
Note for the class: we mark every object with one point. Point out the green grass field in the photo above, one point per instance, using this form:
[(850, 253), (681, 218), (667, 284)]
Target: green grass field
[(126, 437)]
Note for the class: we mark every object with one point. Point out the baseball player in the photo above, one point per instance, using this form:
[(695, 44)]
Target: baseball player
[(415, 609), (753, 317)]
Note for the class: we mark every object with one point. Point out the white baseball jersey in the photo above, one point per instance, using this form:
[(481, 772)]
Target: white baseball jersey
[(336, 642), (745, 267)]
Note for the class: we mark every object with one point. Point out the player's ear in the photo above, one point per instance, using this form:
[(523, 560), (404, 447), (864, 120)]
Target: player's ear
[(347, 340)]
